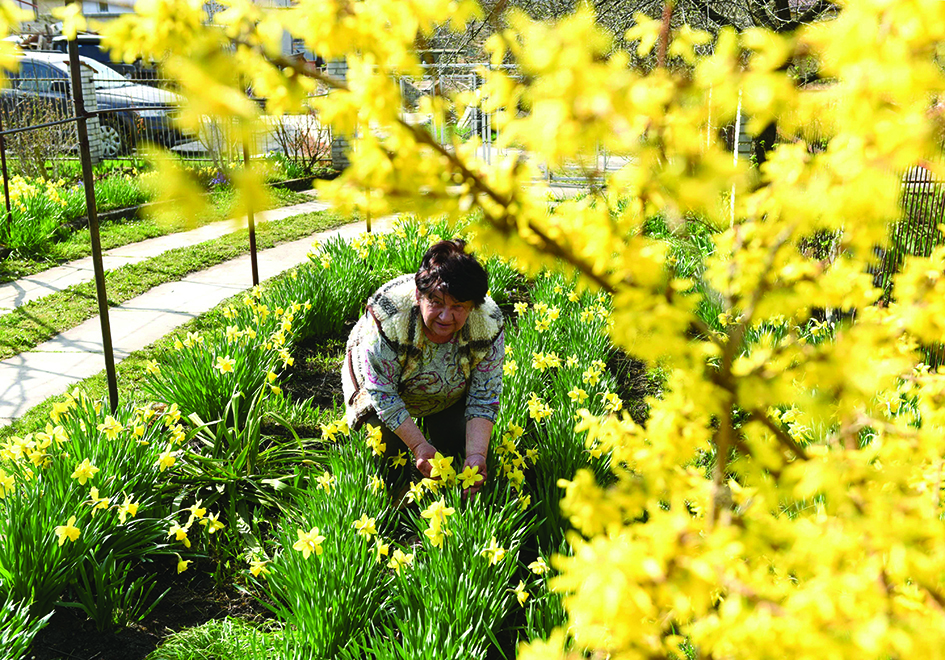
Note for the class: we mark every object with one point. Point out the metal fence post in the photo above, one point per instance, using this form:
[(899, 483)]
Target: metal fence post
[(254, 265), (89, 184), (6, 178)]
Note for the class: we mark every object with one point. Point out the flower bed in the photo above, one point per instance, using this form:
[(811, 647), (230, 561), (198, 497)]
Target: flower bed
[(194, 481)]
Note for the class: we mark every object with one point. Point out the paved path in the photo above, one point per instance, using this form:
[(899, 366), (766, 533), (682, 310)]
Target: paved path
[(51, 368), (33, 287)]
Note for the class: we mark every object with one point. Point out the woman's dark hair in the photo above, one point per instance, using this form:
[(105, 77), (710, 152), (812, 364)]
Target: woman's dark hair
[(446, 267)]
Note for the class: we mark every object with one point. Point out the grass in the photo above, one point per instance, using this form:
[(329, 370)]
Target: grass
[(124, 232), (224, 639), (29, 325)]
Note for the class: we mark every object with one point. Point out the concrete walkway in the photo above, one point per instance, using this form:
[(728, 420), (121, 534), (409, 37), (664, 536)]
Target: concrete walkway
[(51, 368), (33, 287)]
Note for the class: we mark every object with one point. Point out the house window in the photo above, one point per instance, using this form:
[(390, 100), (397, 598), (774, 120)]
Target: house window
[(103, 7)]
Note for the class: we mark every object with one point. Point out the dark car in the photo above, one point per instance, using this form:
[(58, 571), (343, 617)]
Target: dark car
[(137, 113)]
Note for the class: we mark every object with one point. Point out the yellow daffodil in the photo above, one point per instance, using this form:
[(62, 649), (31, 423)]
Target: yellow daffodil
[(376, 484), (309, 542), (212, 523), (97, 503), (612, 402), (578, 395), (225, 364), (365, 526), (520, 594), (399, 460), (325, 481), (182, 565), (415, 492), (538, 567), (166, 459), (196, 511), (375, 439), (399, 560), (470, 476), (381, 549), (68, 531), (7, 484), (441, 467), (438, 511), (84, 471), (127, 508), (258, 567), (152, 367), (110, 427), (493, 552), (180, 534)]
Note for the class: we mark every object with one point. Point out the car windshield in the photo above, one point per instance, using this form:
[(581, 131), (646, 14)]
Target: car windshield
[(105, 77)]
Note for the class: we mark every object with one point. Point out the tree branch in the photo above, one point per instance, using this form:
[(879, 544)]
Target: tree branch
[(758, 415)]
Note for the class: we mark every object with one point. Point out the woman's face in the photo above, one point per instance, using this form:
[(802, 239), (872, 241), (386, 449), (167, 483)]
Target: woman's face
[(442, 315)]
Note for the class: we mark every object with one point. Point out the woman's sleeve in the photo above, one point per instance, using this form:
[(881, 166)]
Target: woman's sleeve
[(485, 383), (382, 379)]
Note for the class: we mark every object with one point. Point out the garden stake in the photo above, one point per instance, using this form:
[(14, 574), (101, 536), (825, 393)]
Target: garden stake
[(89, 184)]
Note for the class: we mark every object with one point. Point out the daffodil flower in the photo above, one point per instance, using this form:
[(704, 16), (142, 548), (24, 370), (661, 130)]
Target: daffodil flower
[(225, 364), (381, 549), (84, 471), (365, 526), (538, 567), (110, 427), (7, 484), (520, 594), (68, 531), (258, 567), (493, 552), (442, 467), (97, 503), (399, 460), (470, 476), (196, 511), (127, 508), (399, 560), (179, 533), (438, 511), (325, 481), (212, 523), (309, 542)]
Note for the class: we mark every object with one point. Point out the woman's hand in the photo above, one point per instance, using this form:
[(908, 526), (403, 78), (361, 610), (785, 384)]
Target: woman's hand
[(422, 454), (476, 461)]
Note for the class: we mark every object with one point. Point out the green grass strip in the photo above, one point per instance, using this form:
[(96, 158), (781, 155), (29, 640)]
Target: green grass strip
[(28, 326), (117, 233)]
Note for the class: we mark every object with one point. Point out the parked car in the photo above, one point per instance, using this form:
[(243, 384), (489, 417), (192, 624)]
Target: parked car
[(90, 45), (137, 113)]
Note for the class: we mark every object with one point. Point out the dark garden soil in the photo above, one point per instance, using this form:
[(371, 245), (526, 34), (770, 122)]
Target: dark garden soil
[(193, 599)]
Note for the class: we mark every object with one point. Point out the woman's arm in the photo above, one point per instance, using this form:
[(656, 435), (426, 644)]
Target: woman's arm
[(418, 445), (478, 433)]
